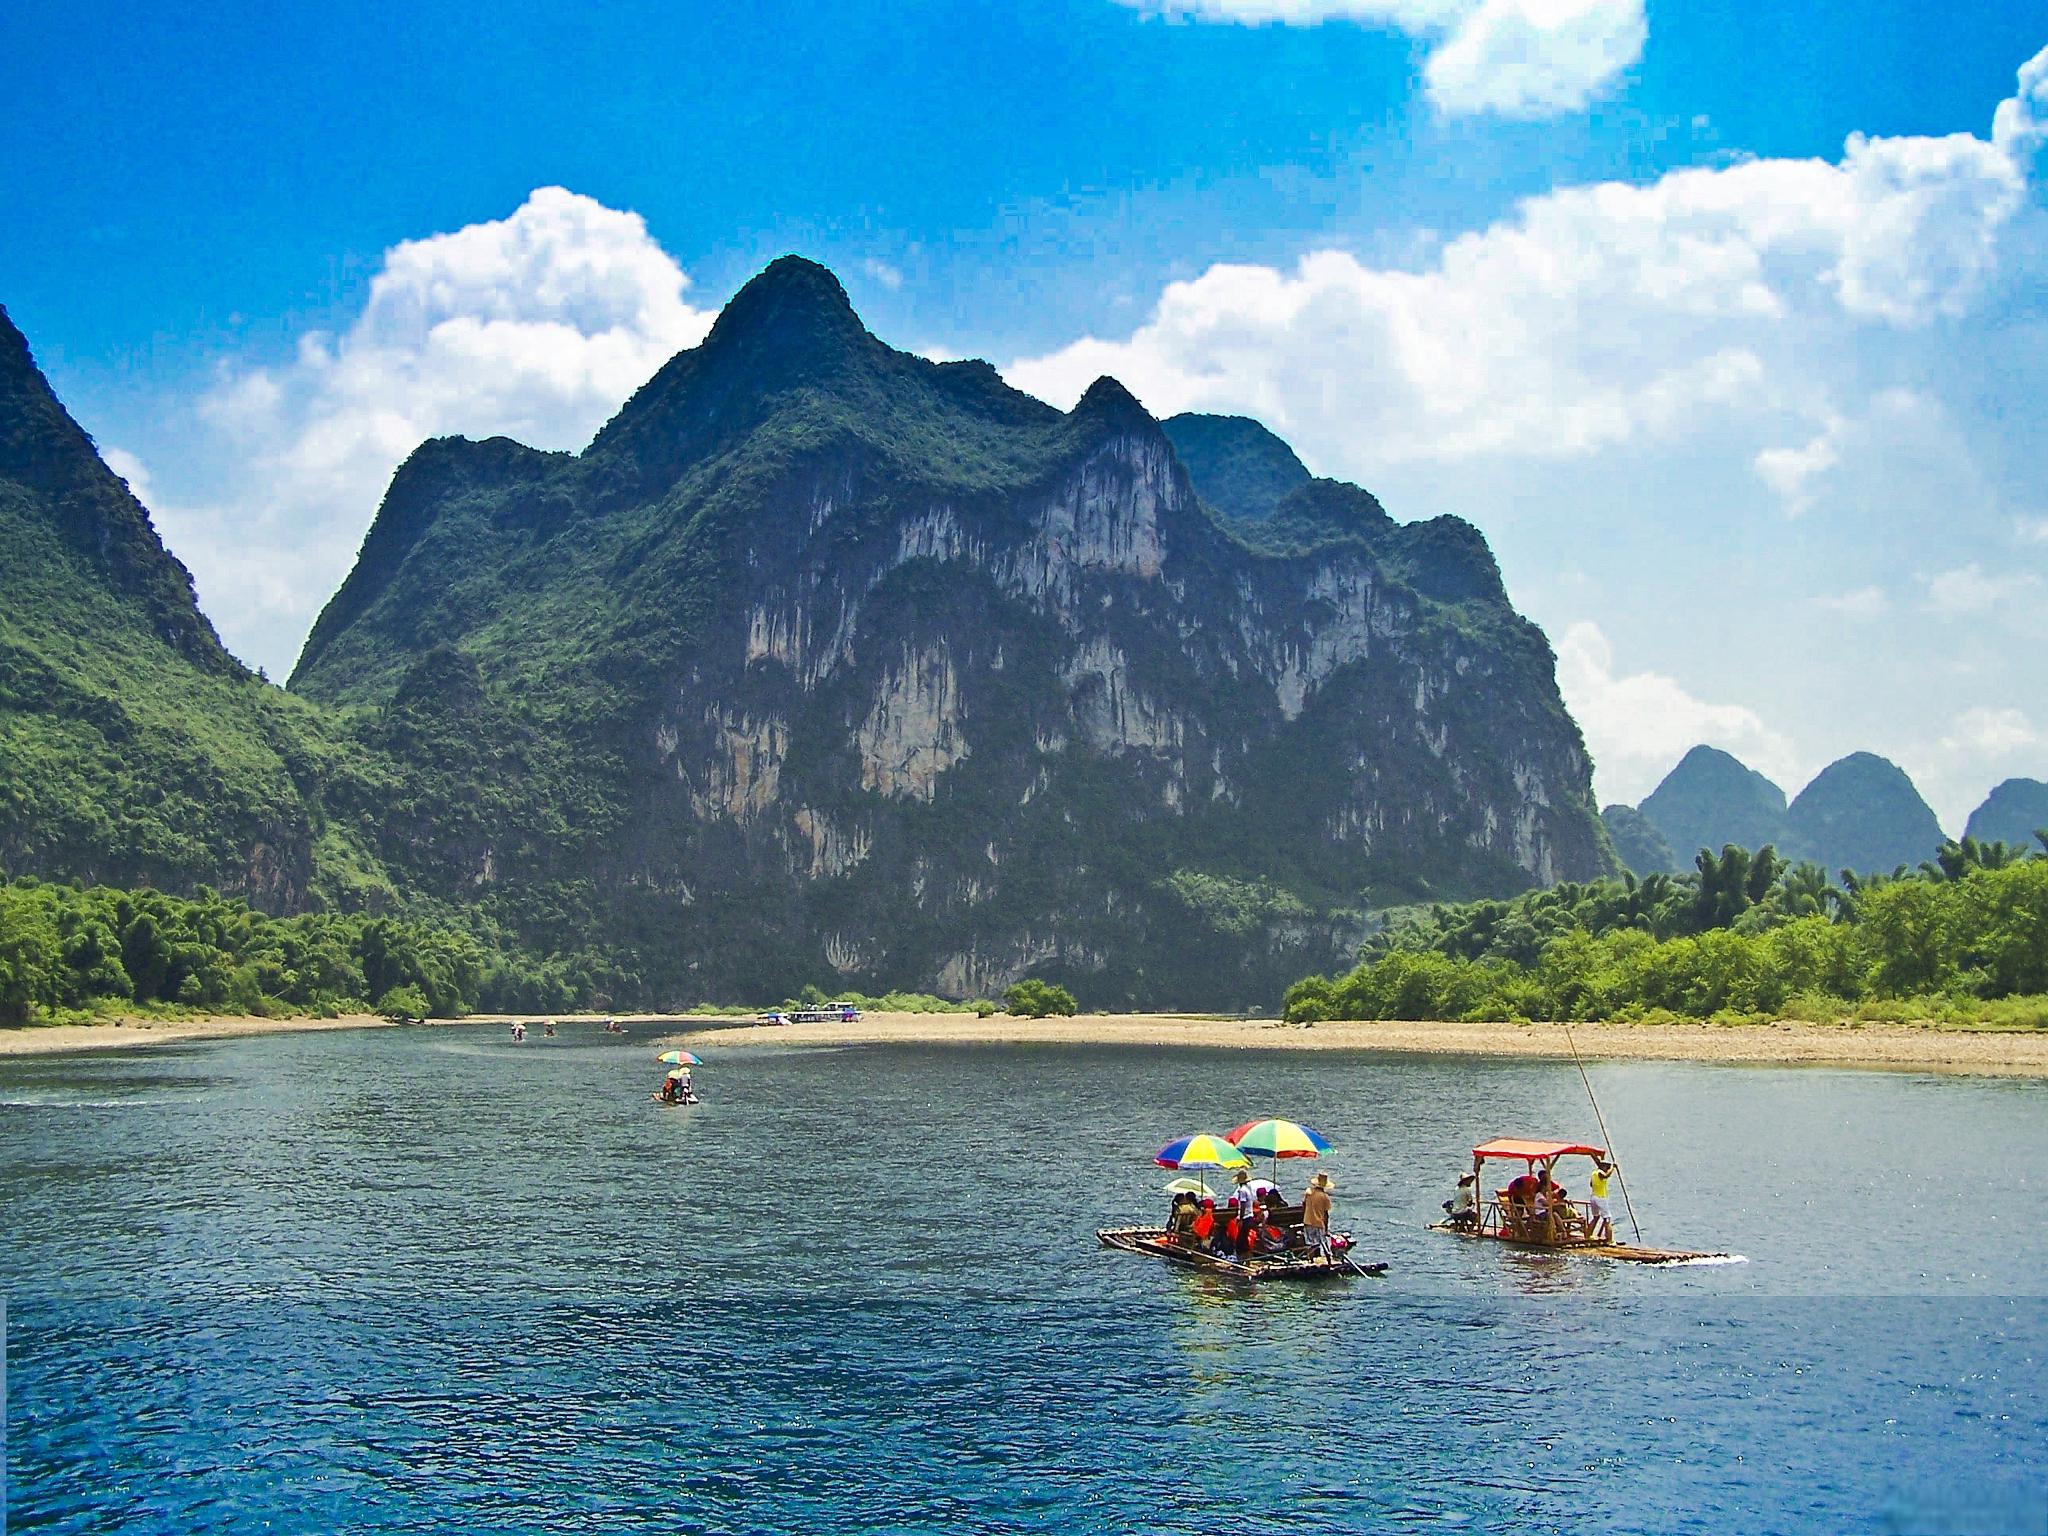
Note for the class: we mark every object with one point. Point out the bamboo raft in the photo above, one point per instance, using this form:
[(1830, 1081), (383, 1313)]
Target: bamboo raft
[(1630, 1253), (1279, 1266)]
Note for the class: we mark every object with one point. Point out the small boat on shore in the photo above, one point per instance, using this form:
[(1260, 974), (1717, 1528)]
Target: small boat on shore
[(1534, 1210)]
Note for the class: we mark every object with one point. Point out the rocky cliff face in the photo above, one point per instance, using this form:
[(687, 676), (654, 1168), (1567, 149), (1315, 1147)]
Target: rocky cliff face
[(856, 666)]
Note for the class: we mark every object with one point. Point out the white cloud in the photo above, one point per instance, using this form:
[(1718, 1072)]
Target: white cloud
[(535, 326), (1517, 58), (1863, 603), (889, 277), (1590, 317), (1533, 58), (1637, 725), (2031, 530), (1791, 472), (1971, 589)]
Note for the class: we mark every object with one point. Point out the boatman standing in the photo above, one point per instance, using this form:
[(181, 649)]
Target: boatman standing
[(1601, 1226), (1315, 1214)]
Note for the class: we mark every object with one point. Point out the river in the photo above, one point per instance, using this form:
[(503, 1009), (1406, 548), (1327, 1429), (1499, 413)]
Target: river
[(428, 1280)]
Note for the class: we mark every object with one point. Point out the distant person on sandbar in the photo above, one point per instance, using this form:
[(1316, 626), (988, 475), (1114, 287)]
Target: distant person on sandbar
[(1315, 1214)]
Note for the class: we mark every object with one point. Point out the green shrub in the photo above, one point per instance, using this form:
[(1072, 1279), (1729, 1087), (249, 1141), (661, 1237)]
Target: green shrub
[(1035, 999)]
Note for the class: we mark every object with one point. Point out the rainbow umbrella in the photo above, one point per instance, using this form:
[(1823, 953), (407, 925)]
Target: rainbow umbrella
[(1201, 1152), (680, 1059), (1277, 1139)]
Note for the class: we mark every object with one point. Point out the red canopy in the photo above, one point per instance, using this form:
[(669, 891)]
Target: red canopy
[(1514, 1148)]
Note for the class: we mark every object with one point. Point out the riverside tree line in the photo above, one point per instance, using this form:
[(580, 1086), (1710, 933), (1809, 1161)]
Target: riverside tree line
[(1747, 936), (70, 951), (74, 951)]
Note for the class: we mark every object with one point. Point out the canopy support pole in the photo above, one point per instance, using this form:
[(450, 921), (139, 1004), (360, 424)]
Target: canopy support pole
[(1605, 1140)]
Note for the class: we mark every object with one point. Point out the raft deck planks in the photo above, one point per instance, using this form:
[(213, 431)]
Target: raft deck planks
[(1630, 1253), (1152, 1241)]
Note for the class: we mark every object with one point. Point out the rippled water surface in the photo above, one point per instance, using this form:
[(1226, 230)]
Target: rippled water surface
[(424, 1280)]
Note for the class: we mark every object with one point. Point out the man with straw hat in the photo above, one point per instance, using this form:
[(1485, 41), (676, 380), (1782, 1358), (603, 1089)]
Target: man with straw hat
[(1315, 1214), (1243, 1198)]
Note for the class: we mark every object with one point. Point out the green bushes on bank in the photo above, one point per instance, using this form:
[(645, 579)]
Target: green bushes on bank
[(68, 951), (1035, 999), (1964, 938)]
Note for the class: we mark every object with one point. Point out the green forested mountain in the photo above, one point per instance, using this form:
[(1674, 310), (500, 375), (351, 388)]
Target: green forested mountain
[(1711, 800), (1861, 812), (2011, 813), (1239, 467), (824, 662), (133, 748)]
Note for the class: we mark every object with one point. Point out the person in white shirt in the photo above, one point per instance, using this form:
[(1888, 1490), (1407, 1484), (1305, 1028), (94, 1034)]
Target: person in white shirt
[(1244, 1197)]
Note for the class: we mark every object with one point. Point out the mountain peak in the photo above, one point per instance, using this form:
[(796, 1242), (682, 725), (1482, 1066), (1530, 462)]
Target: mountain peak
[(1109, 402), (1238, 466), (1711, 799), (793, 300), (74, 494), (1862, 812)]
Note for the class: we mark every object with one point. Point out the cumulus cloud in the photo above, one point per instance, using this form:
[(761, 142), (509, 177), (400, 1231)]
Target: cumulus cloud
[(888, 276), (1591, 316), (1515, 58), (536, 326), (1638, 724)]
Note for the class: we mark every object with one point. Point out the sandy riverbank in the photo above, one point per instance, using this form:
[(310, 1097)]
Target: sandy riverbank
[(1872, 1045), (1897, 1046), (120, 1033), (133, 1032)]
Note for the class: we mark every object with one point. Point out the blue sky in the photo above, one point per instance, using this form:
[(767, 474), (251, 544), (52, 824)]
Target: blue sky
[(1759, 446)]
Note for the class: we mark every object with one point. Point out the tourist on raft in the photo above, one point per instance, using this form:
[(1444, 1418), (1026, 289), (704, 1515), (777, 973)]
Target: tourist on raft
[(1600, 1222), (1462, 1209), (1315, 1214)]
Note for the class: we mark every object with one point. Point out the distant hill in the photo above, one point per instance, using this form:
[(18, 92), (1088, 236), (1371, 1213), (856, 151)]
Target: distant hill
[(1644, 849), (2011, 813), (1862, 813), (1712, 799)]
